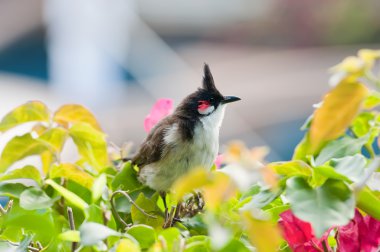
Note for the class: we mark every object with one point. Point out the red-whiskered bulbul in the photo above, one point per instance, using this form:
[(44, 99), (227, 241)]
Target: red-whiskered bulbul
[(186, 139)]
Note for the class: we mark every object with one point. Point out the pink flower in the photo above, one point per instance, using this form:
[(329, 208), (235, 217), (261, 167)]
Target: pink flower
[(362, 234), (161, 109), (219, 160), (299, 234)]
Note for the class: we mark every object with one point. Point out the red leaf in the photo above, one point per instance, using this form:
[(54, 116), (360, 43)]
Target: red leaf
[(299, 234), (362, 234)]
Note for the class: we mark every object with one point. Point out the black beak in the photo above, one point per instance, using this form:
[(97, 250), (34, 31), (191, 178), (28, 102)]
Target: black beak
[(228, 99)]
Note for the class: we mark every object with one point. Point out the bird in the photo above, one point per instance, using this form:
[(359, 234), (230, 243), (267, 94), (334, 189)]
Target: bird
[(185, 140)]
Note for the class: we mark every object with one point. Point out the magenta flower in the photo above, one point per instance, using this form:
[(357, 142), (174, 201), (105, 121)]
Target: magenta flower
[(299, 234), (362, 234), (218, 161), (161, 109)]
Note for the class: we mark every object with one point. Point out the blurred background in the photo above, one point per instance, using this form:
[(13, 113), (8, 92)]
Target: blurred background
[(118, 56)]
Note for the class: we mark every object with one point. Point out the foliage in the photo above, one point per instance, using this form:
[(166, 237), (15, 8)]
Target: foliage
[(318, 201)]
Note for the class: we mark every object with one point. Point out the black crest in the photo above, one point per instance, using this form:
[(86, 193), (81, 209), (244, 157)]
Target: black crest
[(208, 80)]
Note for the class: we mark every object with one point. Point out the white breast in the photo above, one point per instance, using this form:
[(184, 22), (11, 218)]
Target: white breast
[(184, 156)]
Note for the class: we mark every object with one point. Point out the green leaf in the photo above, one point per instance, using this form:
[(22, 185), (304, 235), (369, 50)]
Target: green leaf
[(322, 173), (198, 246), (74, 113), (144, 234), (332, 204), (73, 173), (12, 190), (94, 214), (55, 138), (150, 207), (44, 223), (28, 112), (363, 123), (68, 195), (368, 202), (353, 167), (302, 149), (91, 145), (261, 199), (172, 237), (27, 172), (126, 179), (346, 146), (71, 236), (98, 187), (291, 168), (34, 198), (18, 148), (236, 246), (92, 233), (372, 100)]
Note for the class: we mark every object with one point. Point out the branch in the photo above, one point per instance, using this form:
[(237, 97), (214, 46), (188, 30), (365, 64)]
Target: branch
[(125, 194), (70, 216)]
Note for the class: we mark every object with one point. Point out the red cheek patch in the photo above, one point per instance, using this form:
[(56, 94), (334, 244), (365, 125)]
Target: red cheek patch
[(202, 105)]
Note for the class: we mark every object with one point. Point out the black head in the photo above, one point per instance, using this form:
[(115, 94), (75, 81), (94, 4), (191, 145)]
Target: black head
[(206, 99)]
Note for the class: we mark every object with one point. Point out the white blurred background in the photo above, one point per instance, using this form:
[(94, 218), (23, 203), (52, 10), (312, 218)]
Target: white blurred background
[(118, 56)]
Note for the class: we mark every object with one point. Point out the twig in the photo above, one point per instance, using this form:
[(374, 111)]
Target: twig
[(324, 245), (9, 205), (169, 222), (70, 216), (2, 211), (132, 202)]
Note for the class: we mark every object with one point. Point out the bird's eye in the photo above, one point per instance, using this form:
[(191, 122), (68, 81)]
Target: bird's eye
[(212, 99)]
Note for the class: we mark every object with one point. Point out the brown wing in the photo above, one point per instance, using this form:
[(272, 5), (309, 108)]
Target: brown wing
[(152, 148)]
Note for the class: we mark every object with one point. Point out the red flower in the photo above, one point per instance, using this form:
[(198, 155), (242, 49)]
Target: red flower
[(299, 234), (161, 109), (362, 234)]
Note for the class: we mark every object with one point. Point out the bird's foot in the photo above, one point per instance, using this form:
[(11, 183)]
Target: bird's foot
[(193, 205), (187, 209), (169, 218)]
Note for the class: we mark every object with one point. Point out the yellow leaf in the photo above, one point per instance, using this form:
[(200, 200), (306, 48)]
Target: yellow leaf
[(47, 159), (218, 190), (39, 128), (28, 112), (73, 173), (369, 56), (127, 245), (338, 109), (73, 113), (217, 187), (350, 65), (264, 235), (91, 145), (187, 183), (18, 148), (54, 137)]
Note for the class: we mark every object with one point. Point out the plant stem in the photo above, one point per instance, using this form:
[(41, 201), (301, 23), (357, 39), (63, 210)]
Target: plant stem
[(70, 216), (373, 166)]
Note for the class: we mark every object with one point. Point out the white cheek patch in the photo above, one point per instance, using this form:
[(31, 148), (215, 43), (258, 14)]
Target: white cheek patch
[(206, 111)]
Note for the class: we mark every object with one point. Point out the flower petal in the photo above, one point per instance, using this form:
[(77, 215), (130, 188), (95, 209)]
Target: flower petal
[(161, 109)]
